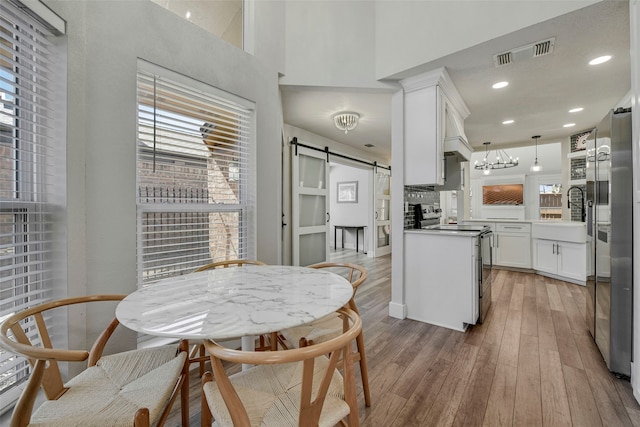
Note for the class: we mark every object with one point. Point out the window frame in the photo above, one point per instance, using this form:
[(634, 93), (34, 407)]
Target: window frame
[(245, 207), (32, 123)]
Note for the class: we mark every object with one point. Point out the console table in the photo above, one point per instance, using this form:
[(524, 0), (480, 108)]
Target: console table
[(357, 228)]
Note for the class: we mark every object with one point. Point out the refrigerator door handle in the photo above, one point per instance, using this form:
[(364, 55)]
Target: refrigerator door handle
[(590, 218)]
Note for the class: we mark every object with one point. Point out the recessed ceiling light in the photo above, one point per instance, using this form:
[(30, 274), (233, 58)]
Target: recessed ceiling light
[(500, 85), (600, 60), (369, 145), (576, 110), (188, 14), (568, 125), (507, 122)]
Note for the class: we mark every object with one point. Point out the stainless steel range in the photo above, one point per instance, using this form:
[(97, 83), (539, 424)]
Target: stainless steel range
[(425, 216)]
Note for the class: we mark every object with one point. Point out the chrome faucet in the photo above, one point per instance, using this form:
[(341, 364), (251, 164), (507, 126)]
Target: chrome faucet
[(583, 214)]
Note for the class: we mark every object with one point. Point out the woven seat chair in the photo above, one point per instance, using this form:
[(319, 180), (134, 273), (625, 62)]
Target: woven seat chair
[(198, 353), (295, 387), (330, 326), (132, 388)]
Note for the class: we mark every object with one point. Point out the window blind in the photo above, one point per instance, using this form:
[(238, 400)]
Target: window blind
[(195, 175), (28, 177)]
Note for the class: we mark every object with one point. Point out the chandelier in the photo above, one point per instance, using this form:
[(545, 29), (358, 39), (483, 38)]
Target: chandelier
[(346, 121), (503, 160)]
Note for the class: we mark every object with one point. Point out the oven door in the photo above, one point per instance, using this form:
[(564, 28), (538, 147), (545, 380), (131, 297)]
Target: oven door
[(484, 275)]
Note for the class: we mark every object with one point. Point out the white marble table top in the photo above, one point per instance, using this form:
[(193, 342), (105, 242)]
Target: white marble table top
[(234, 302)]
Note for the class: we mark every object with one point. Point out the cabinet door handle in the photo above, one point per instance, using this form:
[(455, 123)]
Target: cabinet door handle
[(557, 248), (554, 248), (513, 227), (497, 240)]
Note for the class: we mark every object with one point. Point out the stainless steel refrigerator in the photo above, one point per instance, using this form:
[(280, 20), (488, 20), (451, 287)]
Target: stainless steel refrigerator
[(610, 230)]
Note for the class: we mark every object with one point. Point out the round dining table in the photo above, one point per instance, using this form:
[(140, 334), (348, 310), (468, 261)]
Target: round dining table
[(234, 302)]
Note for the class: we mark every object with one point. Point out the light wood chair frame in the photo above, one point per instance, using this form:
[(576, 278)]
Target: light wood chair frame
[(44, 361), (339, 348), (357, 276)]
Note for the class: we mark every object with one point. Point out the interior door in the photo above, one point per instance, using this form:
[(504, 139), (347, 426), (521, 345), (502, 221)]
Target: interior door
[(310, 206), (382, 237)]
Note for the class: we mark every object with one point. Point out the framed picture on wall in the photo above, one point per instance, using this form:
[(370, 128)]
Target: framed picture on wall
[(348, 192)]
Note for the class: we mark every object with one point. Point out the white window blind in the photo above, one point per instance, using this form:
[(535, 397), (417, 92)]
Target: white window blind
[(195, 180), (29, 176)]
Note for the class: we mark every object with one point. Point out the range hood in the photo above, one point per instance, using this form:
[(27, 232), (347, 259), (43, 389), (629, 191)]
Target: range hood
[(455, 141)]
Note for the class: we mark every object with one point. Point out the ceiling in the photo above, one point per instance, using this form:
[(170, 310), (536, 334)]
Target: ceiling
[(541, 90)]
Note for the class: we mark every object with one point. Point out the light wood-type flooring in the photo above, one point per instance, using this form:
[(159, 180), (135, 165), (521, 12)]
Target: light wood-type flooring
[(532, 363)]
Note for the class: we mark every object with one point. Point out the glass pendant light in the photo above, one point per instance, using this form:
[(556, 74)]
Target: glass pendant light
[(536, 167)]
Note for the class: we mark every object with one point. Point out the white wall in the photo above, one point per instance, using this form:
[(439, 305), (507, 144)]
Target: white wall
[(330, 43), (105, 40), (351, 213), (411, 33), (264, 32)]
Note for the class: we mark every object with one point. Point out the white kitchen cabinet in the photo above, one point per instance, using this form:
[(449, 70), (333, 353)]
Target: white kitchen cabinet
[(424, 136), (563, 260), (440, 279), (512, 245), (434, 116)]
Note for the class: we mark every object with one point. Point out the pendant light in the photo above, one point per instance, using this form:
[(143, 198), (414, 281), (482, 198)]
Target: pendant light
[(536, 167)]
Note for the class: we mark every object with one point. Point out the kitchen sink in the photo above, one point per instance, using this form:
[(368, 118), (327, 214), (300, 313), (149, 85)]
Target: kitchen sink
[(564, 231)]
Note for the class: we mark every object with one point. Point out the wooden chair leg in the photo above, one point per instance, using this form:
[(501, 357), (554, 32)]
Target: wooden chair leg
[(184, 388), (201, 355), (364, 372)]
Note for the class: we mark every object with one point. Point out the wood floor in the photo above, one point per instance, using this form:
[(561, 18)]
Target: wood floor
[(532, 363)]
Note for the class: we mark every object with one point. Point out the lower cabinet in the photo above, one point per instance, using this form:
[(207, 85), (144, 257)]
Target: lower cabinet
[(563, 259), (512, 244)]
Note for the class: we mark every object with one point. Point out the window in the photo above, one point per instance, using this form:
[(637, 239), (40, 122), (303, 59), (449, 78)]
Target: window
[(195, 183), (505, 194), (30, 176)]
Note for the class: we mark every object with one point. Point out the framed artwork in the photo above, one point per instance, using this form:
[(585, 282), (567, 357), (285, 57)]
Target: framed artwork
[(348, 192)]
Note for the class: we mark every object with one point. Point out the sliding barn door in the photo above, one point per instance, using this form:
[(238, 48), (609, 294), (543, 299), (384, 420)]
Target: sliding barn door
[(310, 206), (382, 237)]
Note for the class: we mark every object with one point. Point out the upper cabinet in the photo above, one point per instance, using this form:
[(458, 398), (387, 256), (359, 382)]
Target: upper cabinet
[(434, 117)]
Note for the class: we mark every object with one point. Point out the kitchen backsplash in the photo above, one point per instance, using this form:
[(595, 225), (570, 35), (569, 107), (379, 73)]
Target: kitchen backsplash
[(578, 172), (422, 194)]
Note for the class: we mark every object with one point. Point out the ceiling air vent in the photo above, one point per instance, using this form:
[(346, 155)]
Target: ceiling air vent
[(543, 47), (503, 59)]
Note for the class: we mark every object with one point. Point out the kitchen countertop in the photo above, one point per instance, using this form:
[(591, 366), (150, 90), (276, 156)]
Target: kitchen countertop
[(440, 232), (527, 221)]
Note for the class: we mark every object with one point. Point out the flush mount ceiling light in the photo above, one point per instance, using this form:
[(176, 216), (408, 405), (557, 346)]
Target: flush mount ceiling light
[(600, 60), (503, 161), (568, 125), (535, 167), (507, 122), (500, 85), (346, 120), (576, 110)]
